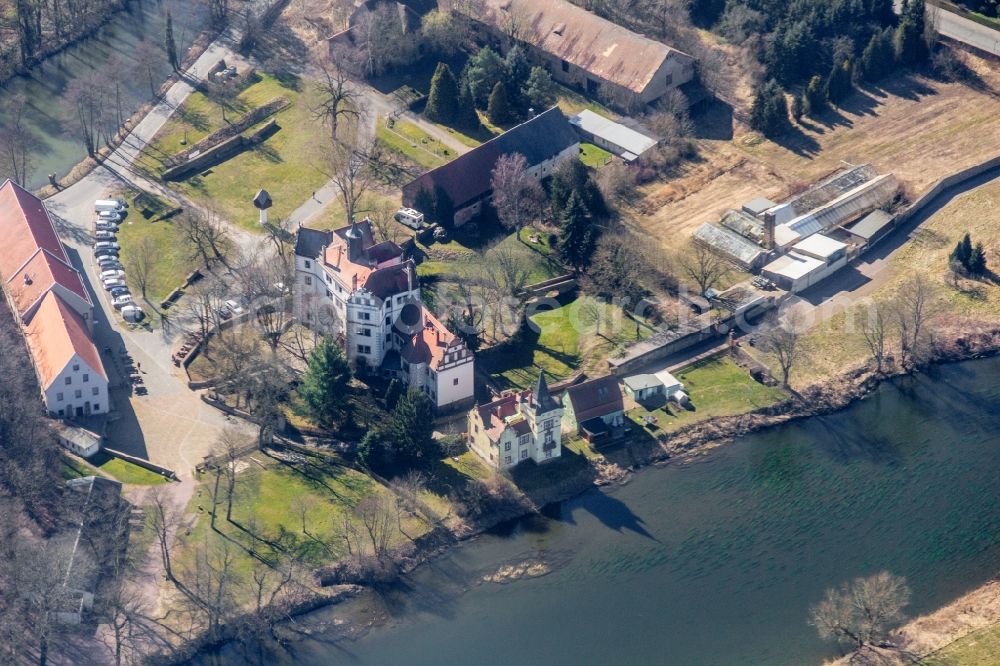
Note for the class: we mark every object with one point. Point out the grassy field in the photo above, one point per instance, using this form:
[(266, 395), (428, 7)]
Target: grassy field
[(125, 471), (464, 262), (562, 341), (572, 103), (413, 143), (594, 156), (980, 648), (289, 164), (266, 516), (172, 262), (72, 468), (718, 387)]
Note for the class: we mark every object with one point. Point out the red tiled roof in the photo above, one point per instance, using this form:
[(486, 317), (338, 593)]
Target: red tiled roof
[(431, 343), (54, 335), (24, 227), (38, 276), (596, 398)]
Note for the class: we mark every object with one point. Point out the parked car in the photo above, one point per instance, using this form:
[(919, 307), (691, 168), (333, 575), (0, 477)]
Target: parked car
[(409, 217), (112, 282), (118, 291), (234, 307), (112, 273), (105, 225), (106, 245), (122, 301), (104, 234), (109, 217), (107, 261), (109, 205), (105, 253)]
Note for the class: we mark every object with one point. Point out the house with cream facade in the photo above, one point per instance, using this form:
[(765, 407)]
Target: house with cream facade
[(367, 295), (517, 427)]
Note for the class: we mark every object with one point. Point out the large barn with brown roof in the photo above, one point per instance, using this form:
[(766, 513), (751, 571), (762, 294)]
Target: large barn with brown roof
[(544, 140), (50, 303), (583, 50)]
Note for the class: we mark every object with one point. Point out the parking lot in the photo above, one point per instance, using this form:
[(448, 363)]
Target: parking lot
[(154, 414)]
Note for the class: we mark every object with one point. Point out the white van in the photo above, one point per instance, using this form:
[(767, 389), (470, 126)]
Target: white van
[(109, 205), (409, 217)]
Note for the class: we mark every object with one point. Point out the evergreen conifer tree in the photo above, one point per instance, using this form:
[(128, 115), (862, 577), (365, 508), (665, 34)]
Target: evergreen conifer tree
[(576, 233), (498, 110), (442, 103), (324, 384)]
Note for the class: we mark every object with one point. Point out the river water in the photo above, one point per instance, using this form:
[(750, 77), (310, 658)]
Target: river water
[(717, 561), (45, 86)]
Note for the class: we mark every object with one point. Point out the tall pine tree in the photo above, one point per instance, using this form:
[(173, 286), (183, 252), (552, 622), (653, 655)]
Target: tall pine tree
[(498, 110), (442, 103), (324, 385), (576, 233)]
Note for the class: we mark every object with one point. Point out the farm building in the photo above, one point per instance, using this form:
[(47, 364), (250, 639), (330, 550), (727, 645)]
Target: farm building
[(810, 261), (623, 141), (845, 208), (735, 247), (545, 140), (872, 227), (583, 50)]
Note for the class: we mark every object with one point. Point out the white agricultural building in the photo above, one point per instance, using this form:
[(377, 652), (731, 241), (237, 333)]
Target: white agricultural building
[(616, 138), (810, 261)]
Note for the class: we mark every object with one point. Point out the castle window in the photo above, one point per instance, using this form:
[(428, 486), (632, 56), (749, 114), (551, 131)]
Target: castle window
[(308, 280), (506, 460), (308, 264), (524, 454), (454, 382), (366, 316), (506, 446)]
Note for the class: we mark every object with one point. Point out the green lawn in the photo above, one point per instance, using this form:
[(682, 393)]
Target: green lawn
[(71, 468), (562, 341), (171, 264), (266, 494), (413, 143), (980, 648), (289, 164), (199, 116), (718, 387), (594, 156), (539, 258), (126, 472)]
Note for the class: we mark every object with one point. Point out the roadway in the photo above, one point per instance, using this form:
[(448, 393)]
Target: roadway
[(963, 30)]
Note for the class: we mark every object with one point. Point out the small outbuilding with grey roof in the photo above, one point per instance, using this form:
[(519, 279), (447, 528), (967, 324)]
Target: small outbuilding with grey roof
[(872, 228), (623, 141)]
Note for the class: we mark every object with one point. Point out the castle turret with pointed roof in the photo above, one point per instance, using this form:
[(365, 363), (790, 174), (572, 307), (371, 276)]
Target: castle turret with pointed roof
[(518, 427)]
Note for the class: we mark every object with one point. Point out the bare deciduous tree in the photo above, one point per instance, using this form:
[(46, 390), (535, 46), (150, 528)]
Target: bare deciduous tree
[(140, 263), (303, 505), (204, 303), (517, 196), (350, 163), (205, 236), (784, 340), (338, 101), (163, 519), (17, 143), (702, 266), (377, 514), (875, 328), (915, 307), (862, 612)]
